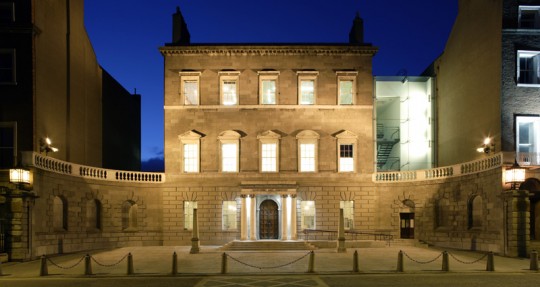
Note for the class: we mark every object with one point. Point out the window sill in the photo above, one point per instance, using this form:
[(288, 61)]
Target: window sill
[(528, 85)]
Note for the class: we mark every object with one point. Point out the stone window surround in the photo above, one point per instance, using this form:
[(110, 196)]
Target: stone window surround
[(269, 137), (191, 137), (229, 137), (229, 76), (268, 75), (346, 76), (307, 75), (346, 137), (308, 137), (518, 69), (226, 212), (190, 76)]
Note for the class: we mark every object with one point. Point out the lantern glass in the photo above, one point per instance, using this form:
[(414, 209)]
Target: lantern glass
[(19, 175)]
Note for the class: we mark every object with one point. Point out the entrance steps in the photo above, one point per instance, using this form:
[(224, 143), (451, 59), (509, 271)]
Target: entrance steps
[(266, 245)]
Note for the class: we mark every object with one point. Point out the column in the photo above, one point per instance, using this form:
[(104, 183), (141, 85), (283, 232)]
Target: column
[(284, 216), (253, 218), (195, 244), (341, 233), (293, 218), (243, 218)]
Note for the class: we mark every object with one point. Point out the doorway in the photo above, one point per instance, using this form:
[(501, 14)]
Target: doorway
[(268, 220), (406, 225)]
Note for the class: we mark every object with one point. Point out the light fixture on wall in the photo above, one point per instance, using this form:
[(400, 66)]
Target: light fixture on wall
[(45, 146), (19, 176), (514, 175), (487, 146)]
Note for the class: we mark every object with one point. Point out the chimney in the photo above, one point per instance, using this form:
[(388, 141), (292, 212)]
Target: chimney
[(356, 36), (180, 30)]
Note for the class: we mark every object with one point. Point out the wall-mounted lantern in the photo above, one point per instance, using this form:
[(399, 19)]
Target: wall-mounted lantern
[(514, 175)]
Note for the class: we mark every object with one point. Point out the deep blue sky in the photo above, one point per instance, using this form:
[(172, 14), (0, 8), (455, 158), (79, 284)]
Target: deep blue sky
[(126, 35)]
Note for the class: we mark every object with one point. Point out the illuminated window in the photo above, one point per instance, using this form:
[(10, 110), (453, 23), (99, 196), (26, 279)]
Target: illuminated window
[(268, 87), (188, 214), (348, 213), (269, 150), (308, 214), (346, 87), (307, 87), (346, 148), (7, 12), (189, 88), (7, 66), (528, 139), (228, 212), (307, 151), (528, 68), (190, 151), (230, 152), (229, 88), (529, 17), (191, 158)]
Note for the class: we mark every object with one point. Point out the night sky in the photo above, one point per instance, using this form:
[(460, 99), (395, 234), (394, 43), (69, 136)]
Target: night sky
[(126, 35)]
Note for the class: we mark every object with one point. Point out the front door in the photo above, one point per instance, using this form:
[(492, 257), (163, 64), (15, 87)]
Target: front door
[(268, 220), (407, 225)]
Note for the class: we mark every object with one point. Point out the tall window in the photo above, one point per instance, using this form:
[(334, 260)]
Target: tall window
[(230, 151), (7, 66), (8, 145), (308, 214), (269, 151), (188, 214), (60, 213), (307, 87), (229, 88), (228, 212), (129, 216), (307, 151), (346, 87), (528, 68), (528, 139), (348, 213), (268, 87), (190, 151), (189, 88), (529, 17), (346, 147)]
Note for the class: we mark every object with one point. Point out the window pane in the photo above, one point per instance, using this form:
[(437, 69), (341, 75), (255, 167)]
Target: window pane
[(308, 214), (269, 92), (529, 68), (346, 159), (188, 214), (529, 17), (307, 92), (6, 67), (229, 93), (229, 157), (345, 92), (229, 215), (191, 93), (348, 213), (191, 158), (307, 157), (269, 157)]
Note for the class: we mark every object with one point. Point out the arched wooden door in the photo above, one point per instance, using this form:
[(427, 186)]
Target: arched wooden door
[(268, 220)]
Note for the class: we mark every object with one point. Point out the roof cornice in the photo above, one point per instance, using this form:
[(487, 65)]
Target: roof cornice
[(268, 50)]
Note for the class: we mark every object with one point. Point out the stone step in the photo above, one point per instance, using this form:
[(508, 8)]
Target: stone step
[(263, 245)]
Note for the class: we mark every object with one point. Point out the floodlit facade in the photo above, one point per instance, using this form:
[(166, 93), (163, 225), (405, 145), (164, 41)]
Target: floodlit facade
[(275, 141)]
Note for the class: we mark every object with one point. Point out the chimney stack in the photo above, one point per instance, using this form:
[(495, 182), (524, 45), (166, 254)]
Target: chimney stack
[(180, 31), (356, 36)]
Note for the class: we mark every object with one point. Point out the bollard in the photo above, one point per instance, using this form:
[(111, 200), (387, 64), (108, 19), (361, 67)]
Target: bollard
[(311, 263), (490, 266), (129, 264), (87, 265), (534, 261), (174, 263), (355, 261), (43, 271), (445, 263), (224, 263), (400, 261)]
